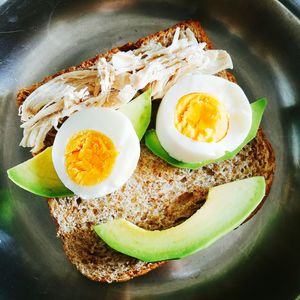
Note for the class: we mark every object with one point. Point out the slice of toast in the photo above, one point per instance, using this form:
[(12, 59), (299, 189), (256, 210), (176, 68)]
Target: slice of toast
[(157, 196)]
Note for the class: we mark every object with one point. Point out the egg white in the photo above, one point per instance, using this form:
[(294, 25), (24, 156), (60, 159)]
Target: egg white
[(188, 150), (119, 129)]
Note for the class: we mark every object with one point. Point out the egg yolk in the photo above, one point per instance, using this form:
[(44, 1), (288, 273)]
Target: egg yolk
[(89, 157), (201, 117)]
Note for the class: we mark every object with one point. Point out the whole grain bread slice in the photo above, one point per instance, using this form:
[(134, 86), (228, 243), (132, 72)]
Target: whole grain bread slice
[(157, 196)]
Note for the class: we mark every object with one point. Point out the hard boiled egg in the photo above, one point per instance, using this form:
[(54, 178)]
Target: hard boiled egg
[(95, 152), (201, 117)]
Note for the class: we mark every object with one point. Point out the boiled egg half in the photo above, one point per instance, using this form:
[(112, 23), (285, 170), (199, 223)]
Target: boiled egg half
[(201, 117), (95, 152)]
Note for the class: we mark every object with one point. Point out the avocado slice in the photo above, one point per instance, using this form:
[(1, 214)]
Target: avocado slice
[(139, 112), (153, 144), (38, 176), (226, 207)]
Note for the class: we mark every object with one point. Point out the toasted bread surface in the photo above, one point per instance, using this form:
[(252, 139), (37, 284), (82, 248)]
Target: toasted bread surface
[(157, 196)]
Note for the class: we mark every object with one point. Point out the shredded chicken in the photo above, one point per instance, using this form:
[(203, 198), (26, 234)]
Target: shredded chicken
[(114, 83)]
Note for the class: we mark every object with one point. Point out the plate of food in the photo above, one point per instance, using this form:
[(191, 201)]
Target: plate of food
[(150, 150)]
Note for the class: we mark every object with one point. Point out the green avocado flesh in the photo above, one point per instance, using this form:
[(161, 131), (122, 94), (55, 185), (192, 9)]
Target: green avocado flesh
[(38, 176), (226, 207), (139, 112), (153, 144)]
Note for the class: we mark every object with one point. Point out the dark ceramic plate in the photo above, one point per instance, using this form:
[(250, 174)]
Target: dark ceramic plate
[(260, 260)]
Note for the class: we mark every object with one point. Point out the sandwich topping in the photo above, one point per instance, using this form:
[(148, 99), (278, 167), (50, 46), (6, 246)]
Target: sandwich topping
[(90, 156), (202, 117), (115, 82)]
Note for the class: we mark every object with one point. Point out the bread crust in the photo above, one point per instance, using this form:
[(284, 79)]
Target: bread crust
[(164, 37)]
